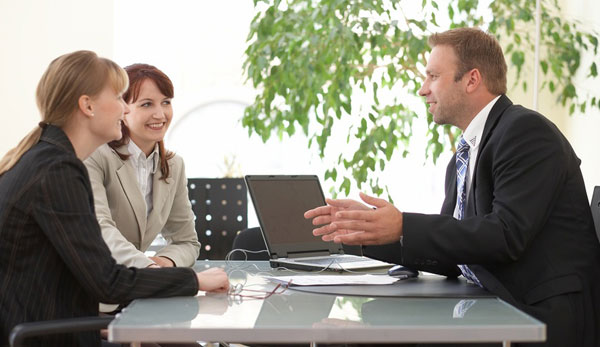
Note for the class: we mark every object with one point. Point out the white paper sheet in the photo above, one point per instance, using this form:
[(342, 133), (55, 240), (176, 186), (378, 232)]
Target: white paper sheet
[(333, 280)]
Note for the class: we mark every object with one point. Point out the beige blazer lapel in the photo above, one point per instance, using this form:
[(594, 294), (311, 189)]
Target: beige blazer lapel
[(127, 178), (160, 193)]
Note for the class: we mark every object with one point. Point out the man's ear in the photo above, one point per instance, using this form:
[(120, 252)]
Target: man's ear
[(474, 80), (86, 105)]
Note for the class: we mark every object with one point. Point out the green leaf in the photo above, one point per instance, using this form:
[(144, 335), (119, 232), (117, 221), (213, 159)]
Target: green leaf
[(345, 186), (518, 59), (544, 66), (593, 70), (510, 25), (450, 11), (375, 87), (372, 118), (331, 174), (509, 48), (569, 91), (291, 129), (517, 38), (594, 41)]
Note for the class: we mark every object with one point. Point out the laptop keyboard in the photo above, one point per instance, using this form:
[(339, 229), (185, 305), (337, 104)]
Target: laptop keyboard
[(327, 261)]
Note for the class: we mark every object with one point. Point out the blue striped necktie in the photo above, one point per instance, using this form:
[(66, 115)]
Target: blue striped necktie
[(462, 168)]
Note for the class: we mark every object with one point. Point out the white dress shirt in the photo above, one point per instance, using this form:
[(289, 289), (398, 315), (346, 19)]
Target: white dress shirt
[(472, 136), (145, 168)]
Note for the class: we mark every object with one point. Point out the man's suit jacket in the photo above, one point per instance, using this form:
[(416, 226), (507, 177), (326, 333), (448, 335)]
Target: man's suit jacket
[(528, 233), (53, 261), (121, 210)]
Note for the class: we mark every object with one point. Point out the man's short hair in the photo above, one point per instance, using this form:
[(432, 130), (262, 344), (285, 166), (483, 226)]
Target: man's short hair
[(475, 48)]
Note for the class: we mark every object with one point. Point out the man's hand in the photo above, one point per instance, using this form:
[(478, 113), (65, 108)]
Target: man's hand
[(353, 223), (325, 215), (163, 261), (213, 280)]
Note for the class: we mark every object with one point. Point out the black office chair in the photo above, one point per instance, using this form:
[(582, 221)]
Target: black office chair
[(595, 205), (250, 239), (23, 331), (221, 208)]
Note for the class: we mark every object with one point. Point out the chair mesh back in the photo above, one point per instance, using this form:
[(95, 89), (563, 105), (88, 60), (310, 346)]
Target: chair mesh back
[(221, 209)]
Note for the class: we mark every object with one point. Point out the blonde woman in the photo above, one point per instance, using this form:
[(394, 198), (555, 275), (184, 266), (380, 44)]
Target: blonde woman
[(50, 239)]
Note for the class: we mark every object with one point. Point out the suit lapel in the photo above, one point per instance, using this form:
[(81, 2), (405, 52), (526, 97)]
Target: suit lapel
[(56, 136), (450, 199), (470, 207), (497, 110), (127, 177)]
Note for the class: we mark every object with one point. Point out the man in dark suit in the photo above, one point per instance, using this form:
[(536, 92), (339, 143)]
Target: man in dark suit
[(516, 219)]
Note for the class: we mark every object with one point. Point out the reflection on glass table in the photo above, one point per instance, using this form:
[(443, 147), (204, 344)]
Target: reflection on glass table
[(296, 316)]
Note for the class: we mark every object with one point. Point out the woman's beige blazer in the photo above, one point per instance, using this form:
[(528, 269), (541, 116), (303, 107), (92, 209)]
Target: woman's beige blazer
[(121, 210)]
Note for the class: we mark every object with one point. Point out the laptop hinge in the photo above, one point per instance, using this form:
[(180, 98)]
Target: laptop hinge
[(308, 254)]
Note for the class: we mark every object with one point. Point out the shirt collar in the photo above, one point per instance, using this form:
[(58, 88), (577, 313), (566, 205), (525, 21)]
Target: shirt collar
[(58, 137), (474, 130), (139, 156)]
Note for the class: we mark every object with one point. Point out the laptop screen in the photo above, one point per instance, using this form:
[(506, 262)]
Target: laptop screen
[(280, 203)]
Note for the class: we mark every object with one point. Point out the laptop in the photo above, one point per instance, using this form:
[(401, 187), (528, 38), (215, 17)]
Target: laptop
[(280, 202)]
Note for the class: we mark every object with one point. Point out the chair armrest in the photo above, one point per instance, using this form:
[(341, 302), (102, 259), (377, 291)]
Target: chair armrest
[(24, 330)]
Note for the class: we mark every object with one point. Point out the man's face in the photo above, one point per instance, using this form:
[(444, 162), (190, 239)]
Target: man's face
[(445, 97)]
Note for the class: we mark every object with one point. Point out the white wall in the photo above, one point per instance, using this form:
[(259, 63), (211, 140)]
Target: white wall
[(198, 44), (32, 33)]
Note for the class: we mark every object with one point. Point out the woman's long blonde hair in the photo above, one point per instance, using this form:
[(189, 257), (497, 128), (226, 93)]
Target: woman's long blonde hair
[(66, 79)]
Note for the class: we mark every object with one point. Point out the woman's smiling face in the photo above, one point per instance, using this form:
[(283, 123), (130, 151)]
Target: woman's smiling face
[(149, 117)]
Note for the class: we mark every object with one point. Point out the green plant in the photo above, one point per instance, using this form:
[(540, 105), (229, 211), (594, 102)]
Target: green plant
[(309, 59)]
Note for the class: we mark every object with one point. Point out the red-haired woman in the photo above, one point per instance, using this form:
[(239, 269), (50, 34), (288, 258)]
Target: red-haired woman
[(140, 188)]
